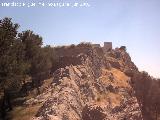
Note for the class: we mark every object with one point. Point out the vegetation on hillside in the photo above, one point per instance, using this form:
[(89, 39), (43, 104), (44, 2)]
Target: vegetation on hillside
[(23, 57)]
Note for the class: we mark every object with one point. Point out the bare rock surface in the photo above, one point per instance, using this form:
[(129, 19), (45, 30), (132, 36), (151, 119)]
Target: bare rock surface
[(95, 89)]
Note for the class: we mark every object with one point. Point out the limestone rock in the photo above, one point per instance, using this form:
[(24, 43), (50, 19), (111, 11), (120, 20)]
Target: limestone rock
[(96, 88)]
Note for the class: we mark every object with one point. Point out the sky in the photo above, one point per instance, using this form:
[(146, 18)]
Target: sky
[(133, 23)]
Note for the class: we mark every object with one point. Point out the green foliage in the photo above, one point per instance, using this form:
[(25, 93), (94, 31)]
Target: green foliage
[(9, 49), (123, 48), (84, 44), (40, 59), (21, 54), (148, 94), (31, 42)]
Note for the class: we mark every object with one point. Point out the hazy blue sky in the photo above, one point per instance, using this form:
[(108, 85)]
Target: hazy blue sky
[(134, 23)]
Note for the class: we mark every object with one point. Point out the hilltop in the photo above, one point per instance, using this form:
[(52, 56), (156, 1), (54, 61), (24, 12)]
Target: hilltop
[(76, 82), (89, 84)]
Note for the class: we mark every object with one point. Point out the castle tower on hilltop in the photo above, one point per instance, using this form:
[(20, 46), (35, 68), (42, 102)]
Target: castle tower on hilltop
[(107, 46)]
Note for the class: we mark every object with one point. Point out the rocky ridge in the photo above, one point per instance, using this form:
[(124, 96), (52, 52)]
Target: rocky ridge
[(96, 87)]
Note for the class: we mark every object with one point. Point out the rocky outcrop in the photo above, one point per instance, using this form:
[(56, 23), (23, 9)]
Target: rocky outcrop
[(120, 59), (94, 88), (128, 110), (93, 113)]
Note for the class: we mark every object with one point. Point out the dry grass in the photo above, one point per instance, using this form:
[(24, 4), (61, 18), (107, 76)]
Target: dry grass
[(118, 74), (24, 113), (120, 81), (109, 98), (121, 78), (27, 113), (47, 82), (115, 99)]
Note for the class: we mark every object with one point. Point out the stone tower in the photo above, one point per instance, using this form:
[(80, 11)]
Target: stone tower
[(107, 46)]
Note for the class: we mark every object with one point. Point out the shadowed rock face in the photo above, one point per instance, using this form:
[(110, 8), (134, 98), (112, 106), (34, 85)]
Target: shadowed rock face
[(93, 113), (92, 88)]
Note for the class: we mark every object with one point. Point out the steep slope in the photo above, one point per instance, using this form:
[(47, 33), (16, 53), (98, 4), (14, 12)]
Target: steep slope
[(92, 85)]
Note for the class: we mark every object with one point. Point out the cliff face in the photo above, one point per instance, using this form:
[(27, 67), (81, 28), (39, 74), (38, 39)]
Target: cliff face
[(91, 85)]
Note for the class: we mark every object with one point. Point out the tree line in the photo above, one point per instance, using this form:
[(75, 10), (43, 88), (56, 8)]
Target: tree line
[(147, 91), (22, 56)]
